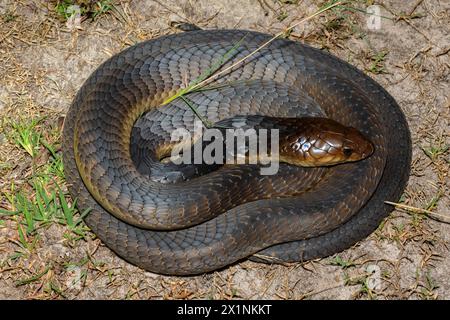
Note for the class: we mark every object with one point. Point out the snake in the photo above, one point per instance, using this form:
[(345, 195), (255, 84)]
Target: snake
[(118, 127)]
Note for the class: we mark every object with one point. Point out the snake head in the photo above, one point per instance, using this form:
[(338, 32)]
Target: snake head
[(323, 142)]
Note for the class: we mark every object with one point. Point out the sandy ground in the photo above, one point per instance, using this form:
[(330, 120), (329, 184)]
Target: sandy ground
[(43, 62)]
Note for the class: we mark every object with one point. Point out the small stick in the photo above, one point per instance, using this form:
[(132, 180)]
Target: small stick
[(440, 217), (418, 3)]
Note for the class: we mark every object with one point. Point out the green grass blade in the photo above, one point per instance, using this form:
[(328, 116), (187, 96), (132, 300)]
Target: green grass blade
[(223, 85), (4, 212), (22, 238), (205, 121), (33, 278), (67, 211), (82, 215), (208, 72), (28, 215)]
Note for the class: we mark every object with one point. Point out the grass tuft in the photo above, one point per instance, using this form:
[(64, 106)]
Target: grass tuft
[(65, 9), (25, 136), (377, 63), (40, 200)]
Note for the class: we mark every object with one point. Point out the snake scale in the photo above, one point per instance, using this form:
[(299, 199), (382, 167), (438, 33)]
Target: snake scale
[(232, 213)]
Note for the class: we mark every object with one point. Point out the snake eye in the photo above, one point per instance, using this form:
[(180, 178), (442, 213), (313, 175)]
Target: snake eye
[(347, 151)]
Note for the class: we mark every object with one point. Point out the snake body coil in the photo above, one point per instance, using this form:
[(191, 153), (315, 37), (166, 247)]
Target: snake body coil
[(232, 213)]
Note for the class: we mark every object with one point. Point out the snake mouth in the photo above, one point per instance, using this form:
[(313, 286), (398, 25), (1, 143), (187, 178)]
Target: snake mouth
[(370, 149), (358, 147)]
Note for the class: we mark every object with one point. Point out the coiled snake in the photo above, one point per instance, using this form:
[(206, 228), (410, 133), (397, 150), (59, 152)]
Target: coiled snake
[(231, 213)]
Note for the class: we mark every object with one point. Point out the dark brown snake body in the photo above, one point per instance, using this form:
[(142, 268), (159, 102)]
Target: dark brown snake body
[(231, 213)]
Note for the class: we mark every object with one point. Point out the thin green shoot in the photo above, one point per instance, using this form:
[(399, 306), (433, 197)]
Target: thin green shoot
[(222, 85), (26, 136), (102, 7), (33, 278), (265, 44), (211, 74), (208, 124), (354, 9), (204, 120), (207, 73)]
